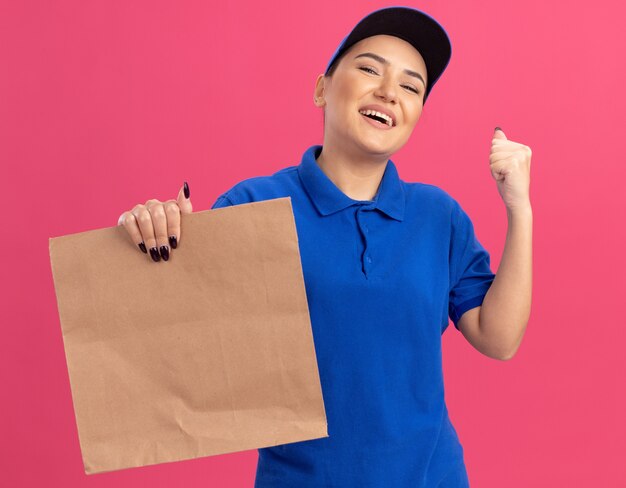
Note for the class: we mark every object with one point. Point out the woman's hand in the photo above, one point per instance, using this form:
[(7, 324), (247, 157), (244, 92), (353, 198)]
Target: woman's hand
[(155, 224), (510, 167)]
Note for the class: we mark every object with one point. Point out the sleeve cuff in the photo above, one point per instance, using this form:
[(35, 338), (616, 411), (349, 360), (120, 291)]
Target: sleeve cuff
[(463, 307)]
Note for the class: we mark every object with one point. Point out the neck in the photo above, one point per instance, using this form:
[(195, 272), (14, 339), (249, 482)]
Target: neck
[(356, 175)]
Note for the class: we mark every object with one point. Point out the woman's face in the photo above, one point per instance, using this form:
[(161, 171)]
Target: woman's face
[(379, 70)]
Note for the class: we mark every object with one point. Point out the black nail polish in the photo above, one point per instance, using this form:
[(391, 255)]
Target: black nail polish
[(154, 252), (498, 128), (142, 246), (186, 190), (165, 253), (173, 242)]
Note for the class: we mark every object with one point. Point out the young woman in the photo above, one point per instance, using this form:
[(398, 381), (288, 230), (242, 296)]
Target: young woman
[(386, 264)]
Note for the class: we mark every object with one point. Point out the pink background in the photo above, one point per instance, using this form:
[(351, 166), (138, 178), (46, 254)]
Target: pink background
[(105, 104)]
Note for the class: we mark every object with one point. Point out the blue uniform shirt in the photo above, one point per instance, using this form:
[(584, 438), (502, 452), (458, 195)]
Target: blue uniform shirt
[(382, 279)]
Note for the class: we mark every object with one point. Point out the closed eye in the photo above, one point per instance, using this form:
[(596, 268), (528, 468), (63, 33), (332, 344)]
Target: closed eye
[(370, 70)]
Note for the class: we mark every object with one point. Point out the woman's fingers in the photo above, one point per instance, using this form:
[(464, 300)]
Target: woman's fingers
[(155, 226), (128, 220), (144, 221), (172, 212), (159, 223), (183, 200)]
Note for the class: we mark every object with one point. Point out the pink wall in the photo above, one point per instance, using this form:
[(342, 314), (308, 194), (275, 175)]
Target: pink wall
[(107, 104)]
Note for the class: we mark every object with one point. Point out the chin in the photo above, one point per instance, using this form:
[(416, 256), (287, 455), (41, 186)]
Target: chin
[(372, 146)]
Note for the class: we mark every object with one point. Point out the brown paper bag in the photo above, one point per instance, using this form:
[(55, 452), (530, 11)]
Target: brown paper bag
[(208, 353)]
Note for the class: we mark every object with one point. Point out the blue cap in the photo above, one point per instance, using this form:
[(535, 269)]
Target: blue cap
[(414, 26)]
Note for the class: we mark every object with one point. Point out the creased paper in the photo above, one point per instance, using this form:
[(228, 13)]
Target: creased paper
[(208, 353)]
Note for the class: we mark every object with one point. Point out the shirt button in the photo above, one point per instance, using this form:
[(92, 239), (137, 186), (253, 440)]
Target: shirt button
[(369, 260)]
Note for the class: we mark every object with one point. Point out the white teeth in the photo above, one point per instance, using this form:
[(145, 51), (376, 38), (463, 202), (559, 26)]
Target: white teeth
[(378, 114)]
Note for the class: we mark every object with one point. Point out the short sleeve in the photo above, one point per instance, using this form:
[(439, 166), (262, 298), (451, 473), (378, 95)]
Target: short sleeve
[(470, 270), (222, 201)]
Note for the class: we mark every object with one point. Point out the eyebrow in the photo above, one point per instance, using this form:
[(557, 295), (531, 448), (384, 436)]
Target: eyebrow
[(382, 60)]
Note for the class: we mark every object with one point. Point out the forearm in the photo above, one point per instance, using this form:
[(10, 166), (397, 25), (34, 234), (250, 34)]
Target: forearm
[(505, 310)]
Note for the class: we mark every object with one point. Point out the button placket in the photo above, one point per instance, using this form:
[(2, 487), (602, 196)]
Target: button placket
[(364, 229)]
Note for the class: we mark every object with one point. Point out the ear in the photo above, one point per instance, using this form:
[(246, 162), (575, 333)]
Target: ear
[(318, 95)]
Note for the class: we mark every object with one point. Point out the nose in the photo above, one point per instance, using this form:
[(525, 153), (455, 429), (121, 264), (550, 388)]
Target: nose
[(387, 89)]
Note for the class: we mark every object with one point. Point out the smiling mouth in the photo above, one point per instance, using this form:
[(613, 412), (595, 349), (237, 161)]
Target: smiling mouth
[(376, 121)]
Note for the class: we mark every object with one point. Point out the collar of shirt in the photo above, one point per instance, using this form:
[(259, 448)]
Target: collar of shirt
[(328, 198)]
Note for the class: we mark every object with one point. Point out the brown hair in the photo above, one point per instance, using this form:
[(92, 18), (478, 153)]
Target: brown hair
[(333, 66)]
